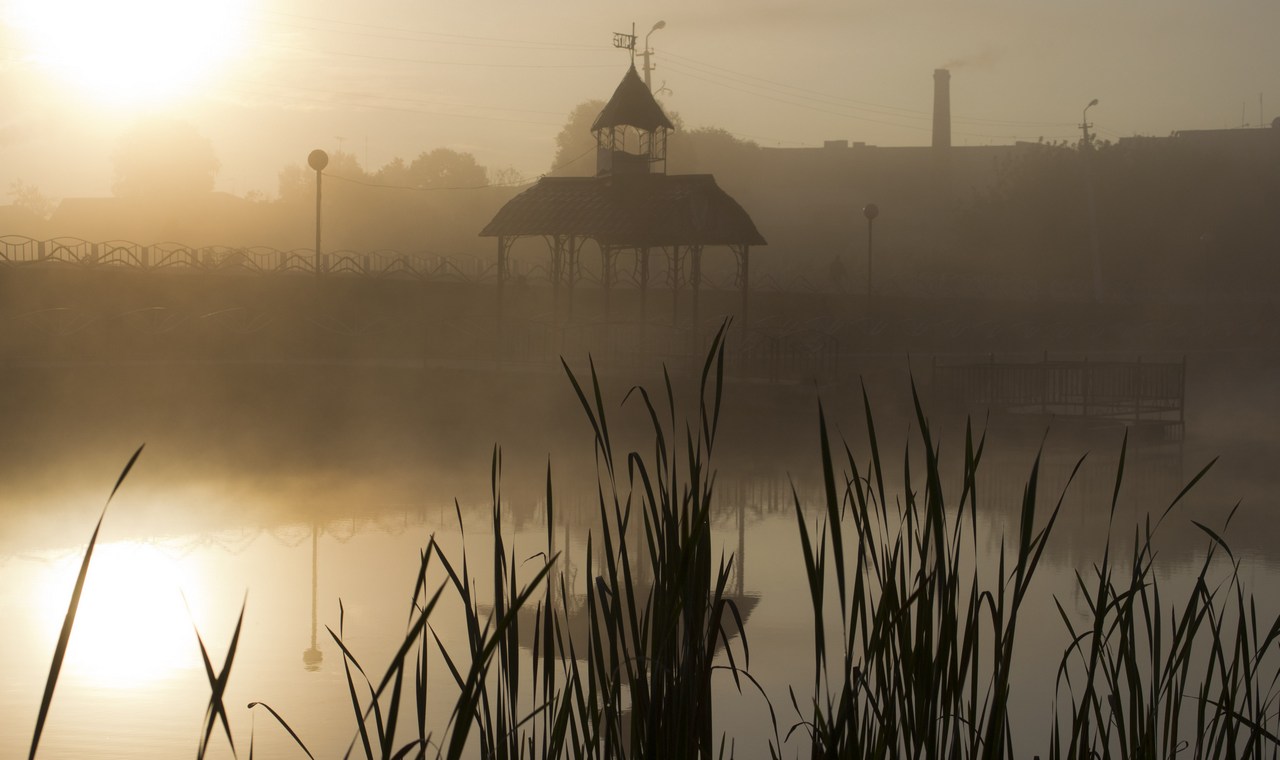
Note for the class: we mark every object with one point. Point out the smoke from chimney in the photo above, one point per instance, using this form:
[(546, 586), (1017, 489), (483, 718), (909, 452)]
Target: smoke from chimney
[(941, 109)]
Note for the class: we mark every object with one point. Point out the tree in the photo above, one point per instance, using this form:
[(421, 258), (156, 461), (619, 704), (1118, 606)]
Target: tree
[(703, 150), (297, 182), (29, 198), (443, 168), (575, 145), (163, 159), (711, 150)]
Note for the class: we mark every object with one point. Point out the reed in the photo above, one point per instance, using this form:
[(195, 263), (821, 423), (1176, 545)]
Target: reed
[(64, 636), (915, 658), (1149, 679), (913, 641)]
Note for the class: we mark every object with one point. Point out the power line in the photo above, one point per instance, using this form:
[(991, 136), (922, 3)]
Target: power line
[(846, 115), (802, 105), (512, 183), (419, 36), (418, 101), (419, 61), (376, 106), (830, 99)]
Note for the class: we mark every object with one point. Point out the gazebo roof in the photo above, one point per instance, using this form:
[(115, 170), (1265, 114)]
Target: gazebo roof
[(632, 105), (634, 211)]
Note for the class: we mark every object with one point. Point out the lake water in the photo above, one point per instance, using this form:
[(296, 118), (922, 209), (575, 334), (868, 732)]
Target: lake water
[(290, 490)]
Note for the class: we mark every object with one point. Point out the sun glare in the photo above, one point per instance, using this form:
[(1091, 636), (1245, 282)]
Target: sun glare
[(132, 627), (131, 52)]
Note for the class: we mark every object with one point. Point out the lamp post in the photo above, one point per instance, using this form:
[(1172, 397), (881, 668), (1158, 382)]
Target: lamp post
[(1084, 120), (870, 211), (1086, 154), (312, 656), (648, 51), (318, 160)]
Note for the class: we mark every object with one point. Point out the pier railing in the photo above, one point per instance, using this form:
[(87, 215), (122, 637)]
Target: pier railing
[(1132, 392)]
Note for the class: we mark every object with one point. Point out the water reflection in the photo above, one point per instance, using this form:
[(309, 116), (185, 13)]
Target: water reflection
[(134, 637), (312, 656)]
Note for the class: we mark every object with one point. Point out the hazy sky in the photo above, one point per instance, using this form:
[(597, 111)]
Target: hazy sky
[(269, 80)]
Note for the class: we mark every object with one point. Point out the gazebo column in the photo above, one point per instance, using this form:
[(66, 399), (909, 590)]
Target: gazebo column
[(675, 272), (504, 248), (606, 275), (644, 284), (572, 252), (744, 263), (557, 272), (695, 279)]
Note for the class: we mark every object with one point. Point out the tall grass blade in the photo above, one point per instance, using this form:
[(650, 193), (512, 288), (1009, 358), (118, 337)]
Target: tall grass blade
[(285, 725), (64, 636), (217, 710)]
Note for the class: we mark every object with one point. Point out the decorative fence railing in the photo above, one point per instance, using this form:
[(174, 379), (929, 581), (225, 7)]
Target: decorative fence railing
[(16, 250)]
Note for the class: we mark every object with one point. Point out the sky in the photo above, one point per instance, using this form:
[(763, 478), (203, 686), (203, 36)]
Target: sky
[(267, 81)]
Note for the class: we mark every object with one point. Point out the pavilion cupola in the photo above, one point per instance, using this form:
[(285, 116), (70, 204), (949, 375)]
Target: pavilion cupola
[(631, 131)]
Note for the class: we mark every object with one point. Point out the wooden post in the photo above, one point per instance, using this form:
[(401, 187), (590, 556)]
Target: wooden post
[(573, 271), (557, 264), (606, 253), (695, 278), (502, 281), (1046, 381), (746, 289), (644, 284), (1137, 390), (1085, 382), (675, 271)]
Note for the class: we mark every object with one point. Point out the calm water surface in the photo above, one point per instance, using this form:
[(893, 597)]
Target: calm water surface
[(247, 498)]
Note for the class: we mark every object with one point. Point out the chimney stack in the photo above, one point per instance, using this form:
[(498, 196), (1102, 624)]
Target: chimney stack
[(941, 109)]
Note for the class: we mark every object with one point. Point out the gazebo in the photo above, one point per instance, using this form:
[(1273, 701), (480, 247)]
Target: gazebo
[(631, 205)]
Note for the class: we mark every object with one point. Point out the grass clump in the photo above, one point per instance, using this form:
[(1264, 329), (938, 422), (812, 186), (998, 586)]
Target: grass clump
[(914, 660), (913, 640)]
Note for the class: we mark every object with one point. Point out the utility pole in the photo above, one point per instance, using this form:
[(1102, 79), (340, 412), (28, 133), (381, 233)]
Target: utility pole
[(648, 51), (1086, 153), (1084, 122)]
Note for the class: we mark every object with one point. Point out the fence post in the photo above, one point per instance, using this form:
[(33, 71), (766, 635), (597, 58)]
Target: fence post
[(1044, 383), (1137, 390), (1086, 380)]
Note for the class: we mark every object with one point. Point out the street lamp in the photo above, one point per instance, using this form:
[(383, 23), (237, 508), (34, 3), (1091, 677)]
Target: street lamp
[(1084, 120), (318, 160), (1086, 149), (647, 52), (870, 211)]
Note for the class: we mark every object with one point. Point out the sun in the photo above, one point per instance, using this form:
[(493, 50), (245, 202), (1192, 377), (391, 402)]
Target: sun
[(131, 52), (132, 626)]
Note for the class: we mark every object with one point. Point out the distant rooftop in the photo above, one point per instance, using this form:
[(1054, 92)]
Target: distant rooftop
[(633, 211), (632, 105)]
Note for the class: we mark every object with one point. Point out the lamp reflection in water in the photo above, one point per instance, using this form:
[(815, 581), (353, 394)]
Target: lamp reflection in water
[(312, 656)]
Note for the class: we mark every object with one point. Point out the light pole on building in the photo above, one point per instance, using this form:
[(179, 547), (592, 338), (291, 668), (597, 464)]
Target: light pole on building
[(1084, 120), (648, 67)]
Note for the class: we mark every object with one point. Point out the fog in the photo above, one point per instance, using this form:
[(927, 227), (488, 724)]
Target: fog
[(363, 282)]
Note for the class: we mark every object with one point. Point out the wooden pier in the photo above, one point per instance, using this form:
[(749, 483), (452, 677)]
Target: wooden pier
[(1140, 394)]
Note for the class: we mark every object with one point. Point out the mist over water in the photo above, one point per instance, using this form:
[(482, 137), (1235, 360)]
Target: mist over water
[(244, 484), (389, 347)]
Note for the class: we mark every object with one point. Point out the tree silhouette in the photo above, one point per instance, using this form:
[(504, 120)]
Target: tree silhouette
[(575, 145), (164, 159), (443, 167)]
